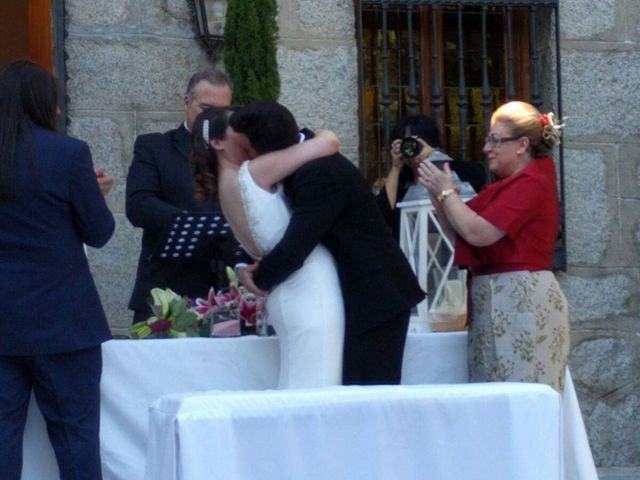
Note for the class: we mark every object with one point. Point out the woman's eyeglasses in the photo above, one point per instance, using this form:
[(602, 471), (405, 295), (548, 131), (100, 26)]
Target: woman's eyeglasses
[(494, 140)]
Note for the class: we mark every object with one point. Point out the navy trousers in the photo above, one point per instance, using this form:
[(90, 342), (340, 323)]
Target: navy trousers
[(67, 389)]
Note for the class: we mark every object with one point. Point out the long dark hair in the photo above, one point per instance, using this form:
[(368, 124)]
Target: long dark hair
[(209, 124), (421, 125), (29, 96)]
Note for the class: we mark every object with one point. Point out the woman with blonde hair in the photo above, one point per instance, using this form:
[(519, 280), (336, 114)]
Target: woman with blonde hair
[(505, 236)]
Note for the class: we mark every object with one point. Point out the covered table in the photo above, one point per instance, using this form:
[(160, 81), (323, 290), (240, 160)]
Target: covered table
[(479, 431), (138, 372)]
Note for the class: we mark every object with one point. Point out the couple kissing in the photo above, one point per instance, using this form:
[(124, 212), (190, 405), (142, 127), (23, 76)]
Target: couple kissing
[(340, 290)]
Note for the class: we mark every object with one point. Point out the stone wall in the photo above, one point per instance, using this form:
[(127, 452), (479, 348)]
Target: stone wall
[(600, 70), (128, 62)]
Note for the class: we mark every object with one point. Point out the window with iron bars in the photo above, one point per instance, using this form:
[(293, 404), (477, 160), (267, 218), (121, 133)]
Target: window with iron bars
[(455, 61)]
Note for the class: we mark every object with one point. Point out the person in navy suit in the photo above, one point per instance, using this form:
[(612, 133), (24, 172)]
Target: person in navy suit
[(52, 324), (160, 185)]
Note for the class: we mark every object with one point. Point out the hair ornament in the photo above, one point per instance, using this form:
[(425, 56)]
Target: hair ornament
[(205, 133), (551, 128)]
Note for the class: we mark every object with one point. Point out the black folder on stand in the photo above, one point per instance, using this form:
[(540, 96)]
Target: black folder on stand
[(190, 235)]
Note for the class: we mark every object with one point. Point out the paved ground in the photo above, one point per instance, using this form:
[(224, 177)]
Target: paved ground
[(619, 473)]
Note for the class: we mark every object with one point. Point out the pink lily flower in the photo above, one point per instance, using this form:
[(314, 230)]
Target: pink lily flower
[(248, 311), (211, 305)]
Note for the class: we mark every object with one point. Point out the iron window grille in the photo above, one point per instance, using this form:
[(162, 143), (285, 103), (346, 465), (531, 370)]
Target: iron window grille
[(455, 61)]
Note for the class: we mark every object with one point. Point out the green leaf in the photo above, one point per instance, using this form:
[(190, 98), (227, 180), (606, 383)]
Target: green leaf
[(192, 332), (187, 319), (173, 333), (204, 328), (156, 310), (160, 300), (177, 307), (231, 275), (139, 330)]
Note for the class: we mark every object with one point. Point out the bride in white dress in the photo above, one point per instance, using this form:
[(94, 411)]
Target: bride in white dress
[(306, 309)]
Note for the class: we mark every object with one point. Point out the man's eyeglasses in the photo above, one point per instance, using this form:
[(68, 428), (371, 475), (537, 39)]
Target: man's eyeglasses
[(494, 140)]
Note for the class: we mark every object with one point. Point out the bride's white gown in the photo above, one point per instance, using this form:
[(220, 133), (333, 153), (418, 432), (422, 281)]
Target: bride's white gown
[(306, 309)]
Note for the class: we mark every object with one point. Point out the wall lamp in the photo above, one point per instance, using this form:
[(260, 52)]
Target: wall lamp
[(210, 16)]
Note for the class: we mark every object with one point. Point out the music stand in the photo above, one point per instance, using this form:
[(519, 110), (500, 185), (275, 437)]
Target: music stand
[(190, 234)]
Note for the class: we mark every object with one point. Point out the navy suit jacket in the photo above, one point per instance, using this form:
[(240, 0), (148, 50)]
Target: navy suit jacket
[(160, 185), (332, 203), (48, 297)]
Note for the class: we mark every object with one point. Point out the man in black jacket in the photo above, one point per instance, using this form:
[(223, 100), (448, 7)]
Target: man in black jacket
[(332, 203), (160, 185)]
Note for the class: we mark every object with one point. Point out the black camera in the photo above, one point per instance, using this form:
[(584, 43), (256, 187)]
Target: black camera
[(410, 147)]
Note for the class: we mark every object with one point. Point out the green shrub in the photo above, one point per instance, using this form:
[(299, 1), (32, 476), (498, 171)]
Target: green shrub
[(250, 36)]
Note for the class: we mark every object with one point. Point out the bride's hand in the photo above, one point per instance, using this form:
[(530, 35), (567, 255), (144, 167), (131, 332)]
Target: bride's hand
[(330, 139), (245, 275)]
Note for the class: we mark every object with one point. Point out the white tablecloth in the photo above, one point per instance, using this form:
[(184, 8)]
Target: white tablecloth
[(483, 431), (138, 372)]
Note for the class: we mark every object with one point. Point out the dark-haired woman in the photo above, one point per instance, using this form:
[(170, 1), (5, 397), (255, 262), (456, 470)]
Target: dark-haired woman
[(403, 172), (307, 308), (52, 322), (519, 328)]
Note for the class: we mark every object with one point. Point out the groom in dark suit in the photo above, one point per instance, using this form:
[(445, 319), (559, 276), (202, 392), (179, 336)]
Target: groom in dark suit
[(332, 204)]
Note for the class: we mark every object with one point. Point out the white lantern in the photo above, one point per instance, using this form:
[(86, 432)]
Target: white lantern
[(430, 254)]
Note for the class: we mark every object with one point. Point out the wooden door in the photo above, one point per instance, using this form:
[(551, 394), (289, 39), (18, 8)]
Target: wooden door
[(26, 31)]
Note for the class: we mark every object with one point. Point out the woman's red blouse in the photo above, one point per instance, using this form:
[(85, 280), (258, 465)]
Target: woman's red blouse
[(525, 205)]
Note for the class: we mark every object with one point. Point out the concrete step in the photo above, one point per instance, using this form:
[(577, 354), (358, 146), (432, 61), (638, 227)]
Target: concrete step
[(619, 473)]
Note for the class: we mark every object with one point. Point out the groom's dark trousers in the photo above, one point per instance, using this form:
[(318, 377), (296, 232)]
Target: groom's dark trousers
[(332, 204)]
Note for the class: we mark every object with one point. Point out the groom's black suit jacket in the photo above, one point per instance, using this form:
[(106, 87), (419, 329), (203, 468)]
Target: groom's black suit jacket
[(332, 203)]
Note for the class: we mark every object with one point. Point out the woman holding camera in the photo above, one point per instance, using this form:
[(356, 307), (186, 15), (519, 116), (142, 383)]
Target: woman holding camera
[(404, 168), (414, 139), (519, 323)]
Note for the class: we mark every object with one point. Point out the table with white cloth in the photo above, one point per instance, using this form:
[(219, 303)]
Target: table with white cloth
[(136, 373), (480, 431)]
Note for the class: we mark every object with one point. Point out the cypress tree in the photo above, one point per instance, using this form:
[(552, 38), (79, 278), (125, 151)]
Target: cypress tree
[(250, 48)]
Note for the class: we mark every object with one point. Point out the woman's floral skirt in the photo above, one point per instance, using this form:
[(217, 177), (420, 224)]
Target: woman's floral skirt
[(520, 329)]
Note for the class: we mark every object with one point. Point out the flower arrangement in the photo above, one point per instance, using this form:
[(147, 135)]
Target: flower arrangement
[(237, 298), (171, 317), (175, 316)]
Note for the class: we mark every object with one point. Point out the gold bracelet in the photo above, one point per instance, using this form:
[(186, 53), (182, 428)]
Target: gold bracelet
[(442, 196)]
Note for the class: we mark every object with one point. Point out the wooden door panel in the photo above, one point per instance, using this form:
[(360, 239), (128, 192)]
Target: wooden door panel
[(26, 31), (40, 44)]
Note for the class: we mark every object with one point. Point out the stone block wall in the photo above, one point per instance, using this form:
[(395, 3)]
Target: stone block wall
[(600, 69), (128, 62)]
